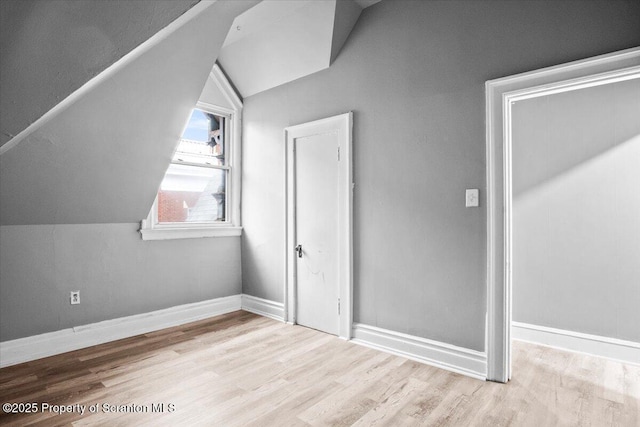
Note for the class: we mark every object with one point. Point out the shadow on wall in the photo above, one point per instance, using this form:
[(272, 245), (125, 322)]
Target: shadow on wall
[(567, 129), (576, 211)]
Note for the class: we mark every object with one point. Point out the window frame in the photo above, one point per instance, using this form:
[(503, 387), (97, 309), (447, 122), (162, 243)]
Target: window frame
[(152, 229)]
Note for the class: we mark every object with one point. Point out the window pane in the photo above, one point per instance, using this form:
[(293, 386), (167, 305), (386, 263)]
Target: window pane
[(203, 140), (192, 194)]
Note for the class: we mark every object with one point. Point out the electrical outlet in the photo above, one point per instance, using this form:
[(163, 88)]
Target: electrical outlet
[(472, 198), (75, 297)]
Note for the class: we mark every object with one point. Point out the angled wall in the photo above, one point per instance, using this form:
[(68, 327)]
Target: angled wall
[(280, 41), (294, 43), (101, 158), (51, 48), (345, 17)]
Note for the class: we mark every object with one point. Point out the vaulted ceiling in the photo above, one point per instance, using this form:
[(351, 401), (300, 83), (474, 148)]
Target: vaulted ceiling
[(100, 154), (277, 42), (49, 49), (87, 138)]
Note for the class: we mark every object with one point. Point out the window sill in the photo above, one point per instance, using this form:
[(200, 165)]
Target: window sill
[(188, 233)]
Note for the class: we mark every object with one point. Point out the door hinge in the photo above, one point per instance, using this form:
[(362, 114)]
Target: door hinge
[(338, 306), (338, 153)]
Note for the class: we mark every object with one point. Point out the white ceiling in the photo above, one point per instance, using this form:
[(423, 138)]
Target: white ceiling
[(278, 41), (261, 17)]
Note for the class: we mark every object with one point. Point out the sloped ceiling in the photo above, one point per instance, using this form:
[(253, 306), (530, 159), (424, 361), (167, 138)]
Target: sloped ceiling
[(277, 42), (366, 3), (101, 158), (48, 49), (97, 118)]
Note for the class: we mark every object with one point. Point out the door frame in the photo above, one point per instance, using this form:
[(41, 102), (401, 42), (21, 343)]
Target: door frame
[(343, 125), (500, 95)]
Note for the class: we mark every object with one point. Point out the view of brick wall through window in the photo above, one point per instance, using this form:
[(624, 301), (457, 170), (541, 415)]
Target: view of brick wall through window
[(194, 186), (173, 206)]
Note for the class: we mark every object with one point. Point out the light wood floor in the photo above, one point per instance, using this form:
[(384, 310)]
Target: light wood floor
[(245, 370)]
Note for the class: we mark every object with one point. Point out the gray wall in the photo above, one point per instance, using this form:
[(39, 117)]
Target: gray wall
[(51, 48), (117, 273), (414, 73), (576, 211)]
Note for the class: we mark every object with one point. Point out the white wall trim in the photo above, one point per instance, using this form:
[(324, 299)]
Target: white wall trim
[(108, 72), (52, 343), (263, 307), (235, 149), (223, 84), (500, 94), (594, 345), (187, 233), (461, 360)]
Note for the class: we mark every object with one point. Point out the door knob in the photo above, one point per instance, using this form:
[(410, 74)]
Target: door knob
[(299, 250)]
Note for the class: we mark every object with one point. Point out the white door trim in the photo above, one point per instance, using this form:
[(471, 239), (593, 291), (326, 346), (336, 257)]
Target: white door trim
[(343, 124), (500, 94)]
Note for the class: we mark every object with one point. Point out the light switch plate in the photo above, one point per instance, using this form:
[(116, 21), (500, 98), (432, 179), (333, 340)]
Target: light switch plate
[(472, 198)]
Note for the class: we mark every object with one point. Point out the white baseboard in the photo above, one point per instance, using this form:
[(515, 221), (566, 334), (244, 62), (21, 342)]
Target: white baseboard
[(595, 345), (452, 358), (52, 343), (263, 307)]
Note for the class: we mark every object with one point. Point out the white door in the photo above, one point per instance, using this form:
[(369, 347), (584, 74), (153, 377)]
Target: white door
[(319, 281), (316, 230)]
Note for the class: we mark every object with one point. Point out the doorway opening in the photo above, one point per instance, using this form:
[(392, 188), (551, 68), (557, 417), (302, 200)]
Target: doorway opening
[(501, 94)]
